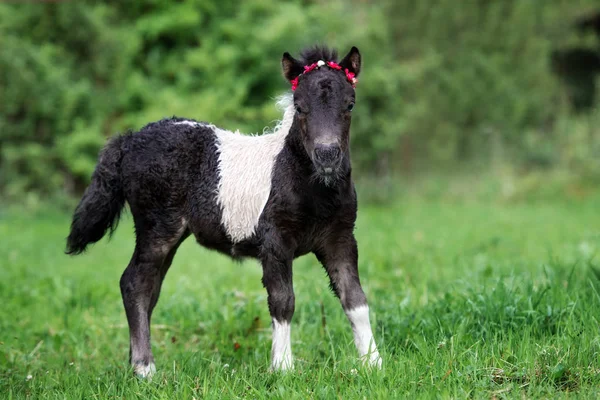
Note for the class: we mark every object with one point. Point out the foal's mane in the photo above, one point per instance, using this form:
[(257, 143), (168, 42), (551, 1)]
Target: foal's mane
[(313, 54), (284, 103)]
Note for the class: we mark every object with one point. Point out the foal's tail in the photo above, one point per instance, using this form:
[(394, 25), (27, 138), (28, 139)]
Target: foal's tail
[(102, 202)]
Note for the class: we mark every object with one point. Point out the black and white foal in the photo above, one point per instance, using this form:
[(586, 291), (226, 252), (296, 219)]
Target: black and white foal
[(273, 197)]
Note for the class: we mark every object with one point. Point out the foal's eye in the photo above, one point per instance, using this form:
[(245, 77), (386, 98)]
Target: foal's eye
[(298, 109), (350, 107)]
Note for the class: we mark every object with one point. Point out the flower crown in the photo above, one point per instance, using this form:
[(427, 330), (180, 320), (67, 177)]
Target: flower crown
[(351, 76)]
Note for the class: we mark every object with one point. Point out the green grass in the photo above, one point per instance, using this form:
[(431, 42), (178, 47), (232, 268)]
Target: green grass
[(467, 300)]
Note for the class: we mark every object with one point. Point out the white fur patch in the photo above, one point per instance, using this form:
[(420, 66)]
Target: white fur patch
[(145, 371), (245, 168), (281, 350), (190, 123), (363, 336)]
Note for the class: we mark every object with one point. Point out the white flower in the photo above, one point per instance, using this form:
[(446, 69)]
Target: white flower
[(29, 377)]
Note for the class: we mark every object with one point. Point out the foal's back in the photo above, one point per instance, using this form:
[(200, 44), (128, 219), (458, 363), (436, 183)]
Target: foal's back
[(170, 179), (163, 159)]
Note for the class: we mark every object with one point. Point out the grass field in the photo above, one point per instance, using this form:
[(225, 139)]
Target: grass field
[(467, 300)]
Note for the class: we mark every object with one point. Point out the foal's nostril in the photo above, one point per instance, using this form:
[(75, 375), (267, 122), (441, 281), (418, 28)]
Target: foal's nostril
[(327, 154)]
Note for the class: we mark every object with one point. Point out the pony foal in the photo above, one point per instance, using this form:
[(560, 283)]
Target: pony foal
[(272, 197)]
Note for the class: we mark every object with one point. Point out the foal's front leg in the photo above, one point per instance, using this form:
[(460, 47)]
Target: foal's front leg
[(277, 279), (340, 259)]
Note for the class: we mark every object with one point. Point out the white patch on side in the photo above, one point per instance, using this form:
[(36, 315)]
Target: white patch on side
[(145, 371), (363, 336), (245, 167), (190, 123), (281, 350)]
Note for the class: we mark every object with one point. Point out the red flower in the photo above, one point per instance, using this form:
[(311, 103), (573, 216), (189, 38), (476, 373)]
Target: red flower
[(333, 65), (351, 76), (294, 82), (308, 68)]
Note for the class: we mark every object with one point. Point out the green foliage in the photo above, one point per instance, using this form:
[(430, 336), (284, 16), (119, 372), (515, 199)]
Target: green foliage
[(441, 82), (60, 70)]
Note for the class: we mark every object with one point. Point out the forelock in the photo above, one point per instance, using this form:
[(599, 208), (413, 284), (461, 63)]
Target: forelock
[(313, 54)]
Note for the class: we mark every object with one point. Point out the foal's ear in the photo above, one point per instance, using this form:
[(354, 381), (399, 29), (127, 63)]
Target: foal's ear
[(291, 67), (352, 61)]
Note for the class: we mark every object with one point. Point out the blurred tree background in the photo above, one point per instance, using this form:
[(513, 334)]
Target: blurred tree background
[(506, 86)]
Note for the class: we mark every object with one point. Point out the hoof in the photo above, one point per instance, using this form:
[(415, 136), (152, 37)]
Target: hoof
[(144, 371), (285, 365), (376, 363), (373, 360)]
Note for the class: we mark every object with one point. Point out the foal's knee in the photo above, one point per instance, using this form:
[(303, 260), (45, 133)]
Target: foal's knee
[(139, 278), (126, 283), (350, 293), (282, 302)]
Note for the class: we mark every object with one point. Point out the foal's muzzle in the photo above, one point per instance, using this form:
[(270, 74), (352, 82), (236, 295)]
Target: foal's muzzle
[(327, 158)]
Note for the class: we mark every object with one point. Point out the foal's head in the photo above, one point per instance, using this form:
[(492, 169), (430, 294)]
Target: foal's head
[(324, 99)]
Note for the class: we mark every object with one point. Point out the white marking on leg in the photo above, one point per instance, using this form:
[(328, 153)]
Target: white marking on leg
[(363, 336), (145, 371), (245, 167), (281, 350)]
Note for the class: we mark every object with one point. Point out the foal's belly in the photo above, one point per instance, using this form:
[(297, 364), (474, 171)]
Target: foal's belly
[(217, 239)]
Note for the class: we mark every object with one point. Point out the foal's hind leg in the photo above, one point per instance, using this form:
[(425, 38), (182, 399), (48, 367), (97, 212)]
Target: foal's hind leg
[(163, 272), (140, 288), (340, 259)]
